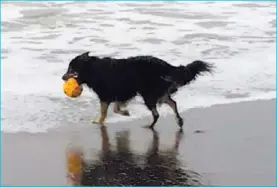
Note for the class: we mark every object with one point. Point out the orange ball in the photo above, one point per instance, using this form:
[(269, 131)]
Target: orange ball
[(71, 88)]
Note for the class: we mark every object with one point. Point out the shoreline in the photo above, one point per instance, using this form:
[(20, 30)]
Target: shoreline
[(122, 119), (226, 144)]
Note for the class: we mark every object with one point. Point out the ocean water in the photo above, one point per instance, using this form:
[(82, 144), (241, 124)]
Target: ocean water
[(40, 38)]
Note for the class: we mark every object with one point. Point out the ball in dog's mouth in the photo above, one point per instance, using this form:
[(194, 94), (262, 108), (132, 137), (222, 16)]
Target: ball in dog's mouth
[(72, 88)]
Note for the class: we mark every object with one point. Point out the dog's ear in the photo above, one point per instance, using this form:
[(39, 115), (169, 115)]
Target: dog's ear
[(84, 56)]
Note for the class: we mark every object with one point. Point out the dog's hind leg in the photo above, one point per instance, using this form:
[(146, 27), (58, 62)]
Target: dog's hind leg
[(168, 100), (103, 113), (155, 115), (153, 108), (117, 108)]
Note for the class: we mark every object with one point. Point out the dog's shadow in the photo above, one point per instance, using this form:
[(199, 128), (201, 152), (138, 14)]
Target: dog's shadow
[(120, 165)]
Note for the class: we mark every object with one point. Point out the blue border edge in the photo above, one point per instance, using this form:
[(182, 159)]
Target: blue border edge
[(109, 1), (137, 0), (276, 95), (1, 94)]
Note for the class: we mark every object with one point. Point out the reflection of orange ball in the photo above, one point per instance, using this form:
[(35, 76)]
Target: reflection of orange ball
[(71, 88), (74, 162)]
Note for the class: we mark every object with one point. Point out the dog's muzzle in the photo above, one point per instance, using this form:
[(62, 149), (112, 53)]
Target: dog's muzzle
[(66, 76)]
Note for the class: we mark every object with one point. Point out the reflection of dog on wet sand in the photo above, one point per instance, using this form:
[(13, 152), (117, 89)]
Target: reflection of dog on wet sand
[(120, 80), (122, 166)]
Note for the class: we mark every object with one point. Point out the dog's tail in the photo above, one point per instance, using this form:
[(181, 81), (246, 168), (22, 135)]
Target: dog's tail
[(184, 75)]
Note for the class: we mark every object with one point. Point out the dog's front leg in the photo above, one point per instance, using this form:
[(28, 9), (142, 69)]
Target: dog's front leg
[(103, 113)]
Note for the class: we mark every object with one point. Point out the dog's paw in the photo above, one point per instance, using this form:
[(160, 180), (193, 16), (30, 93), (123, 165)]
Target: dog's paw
[(97, 122)]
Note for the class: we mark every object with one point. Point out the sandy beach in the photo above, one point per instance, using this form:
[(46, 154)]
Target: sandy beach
[(232, 144)]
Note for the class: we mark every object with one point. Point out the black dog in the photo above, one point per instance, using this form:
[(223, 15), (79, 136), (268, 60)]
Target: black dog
[(120, 80)]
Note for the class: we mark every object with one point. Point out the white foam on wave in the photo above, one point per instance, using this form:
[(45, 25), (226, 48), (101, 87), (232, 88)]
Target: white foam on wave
[(10, 12)]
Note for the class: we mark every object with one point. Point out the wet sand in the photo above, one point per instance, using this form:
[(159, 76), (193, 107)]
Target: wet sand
[(230, 144)]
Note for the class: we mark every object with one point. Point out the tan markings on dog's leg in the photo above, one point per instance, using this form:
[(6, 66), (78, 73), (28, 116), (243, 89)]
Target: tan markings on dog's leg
[(103, 113), (155, 115), (173, 105), (116, 107), (105, 140)]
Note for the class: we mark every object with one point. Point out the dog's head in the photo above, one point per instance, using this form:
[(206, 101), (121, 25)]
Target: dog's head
[(76, 67)]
